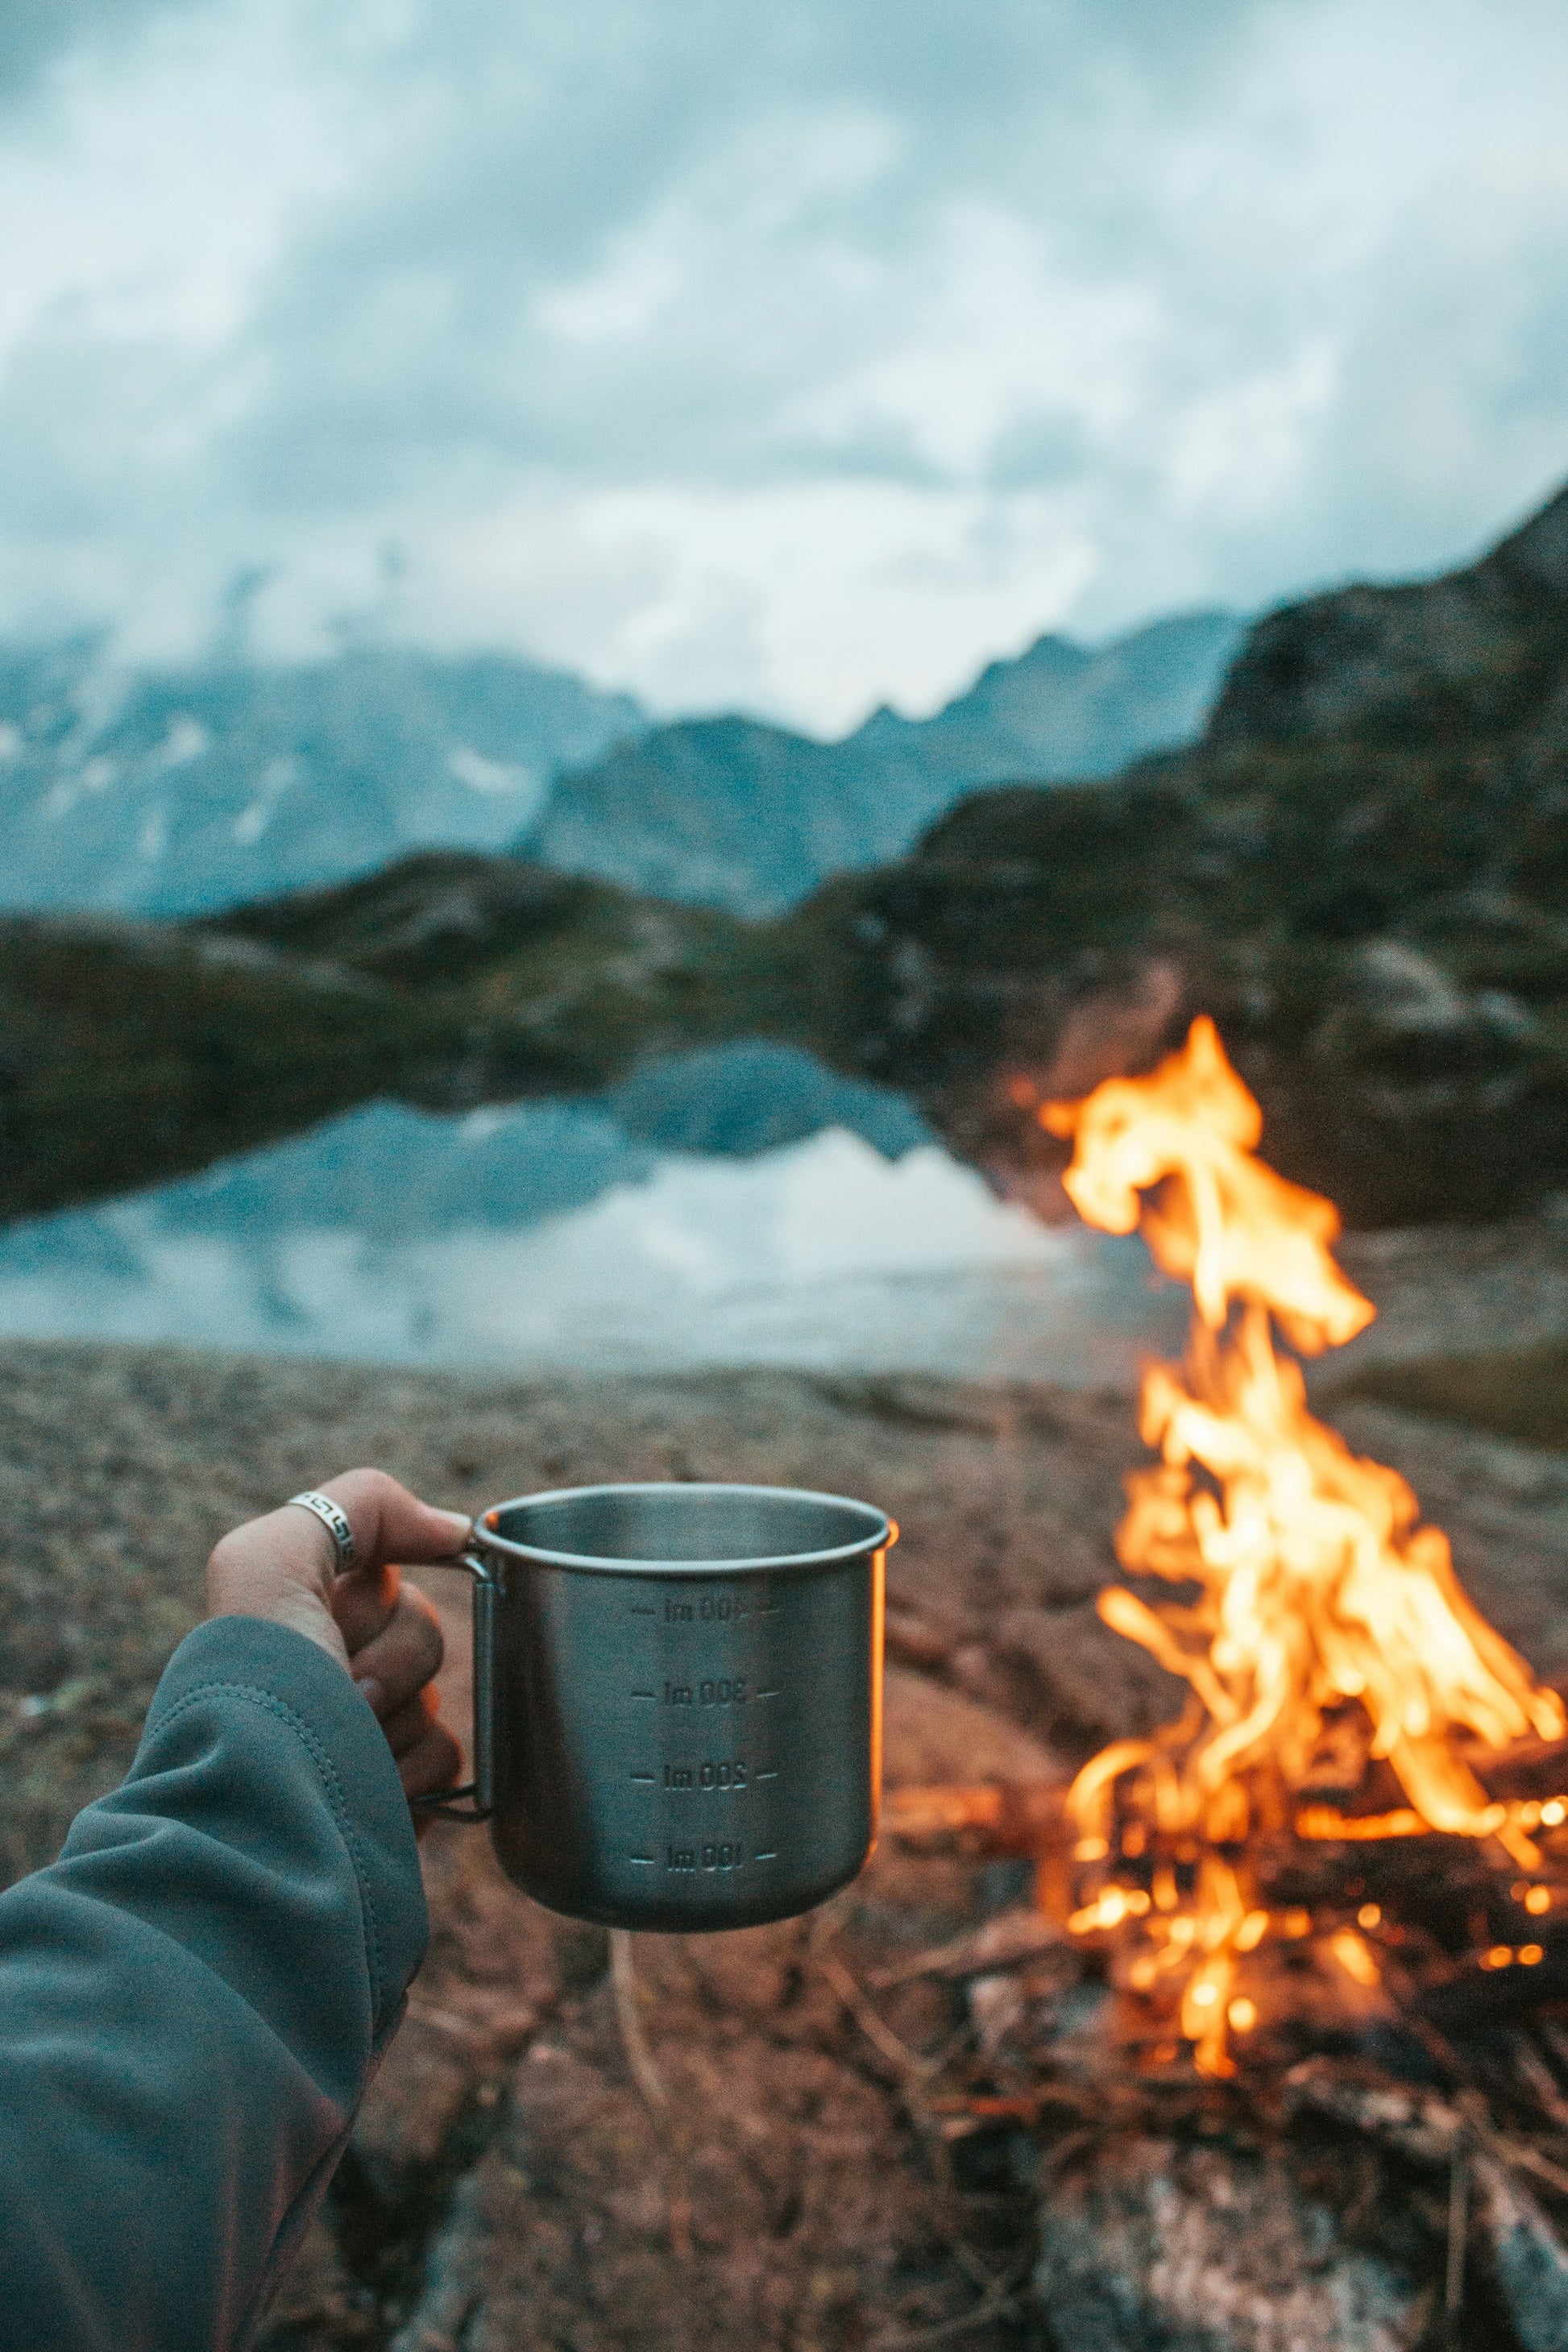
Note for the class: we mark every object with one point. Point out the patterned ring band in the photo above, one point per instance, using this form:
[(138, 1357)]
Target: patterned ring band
[(335, 1520)]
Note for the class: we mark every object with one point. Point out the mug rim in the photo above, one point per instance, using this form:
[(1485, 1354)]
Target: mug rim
[(881, 1532)]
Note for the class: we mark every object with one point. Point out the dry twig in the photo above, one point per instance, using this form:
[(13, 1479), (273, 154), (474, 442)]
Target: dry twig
[(1001, 1943), (1001, 2300), (872, 2024), (1459, 2232), (915, 2075), (651, 2086), (639, 2057)]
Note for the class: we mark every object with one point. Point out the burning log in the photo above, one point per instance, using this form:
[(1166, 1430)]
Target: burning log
[(1002, 1818)]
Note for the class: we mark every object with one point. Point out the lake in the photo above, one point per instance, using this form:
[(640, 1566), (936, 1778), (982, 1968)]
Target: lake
[(742, 1205)]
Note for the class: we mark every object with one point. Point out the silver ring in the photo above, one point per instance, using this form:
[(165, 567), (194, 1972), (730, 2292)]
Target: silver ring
[(335, 1520)]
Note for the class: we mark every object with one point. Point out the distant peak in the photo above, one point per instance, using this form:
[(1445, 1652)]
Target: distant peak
[(1539, 549), (1050, 651)]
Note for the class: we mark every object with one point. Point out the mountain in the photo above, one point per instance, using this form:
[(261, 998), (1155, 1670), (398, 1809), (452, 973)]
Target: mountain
[(1361, 870), (1477, 649), (731, 812), (1067, 711), (175, 792), (133, 1051), (181, 791)]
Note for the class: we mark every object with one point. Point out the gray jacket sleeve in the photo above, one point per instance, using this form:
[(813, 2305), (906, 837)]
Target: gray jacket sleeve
[(192, 1999)]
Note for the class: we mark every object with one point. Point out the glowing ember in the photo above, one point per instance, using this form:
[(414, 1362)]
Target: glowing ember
[(1320, 1598)]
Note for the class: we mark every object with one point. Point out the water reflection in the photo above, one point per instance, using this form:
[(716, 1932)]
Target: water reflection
[(740, 1205)]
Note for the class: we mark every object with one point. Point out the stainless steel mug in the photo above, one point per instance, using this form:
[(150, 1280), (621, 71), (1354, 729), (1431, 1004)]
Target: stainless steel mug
[(678, 1699)]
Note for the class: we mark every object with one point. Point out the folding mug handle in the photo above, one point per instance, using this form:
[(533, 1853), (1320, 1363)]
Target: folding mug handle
[(480, 1790)]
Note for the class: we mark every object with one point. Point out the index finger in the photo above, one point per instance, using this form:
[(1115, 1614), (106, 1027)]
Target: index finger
[(390, 1525)]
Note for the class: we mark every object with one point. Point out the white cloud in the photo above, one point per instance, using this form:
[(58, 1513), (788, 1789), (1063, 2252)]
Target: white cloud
[(797, 359)]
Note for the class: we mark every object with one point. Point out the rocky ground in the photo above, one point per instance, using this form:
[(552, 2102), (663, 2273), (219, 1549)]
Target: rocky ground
[(793, 2181)]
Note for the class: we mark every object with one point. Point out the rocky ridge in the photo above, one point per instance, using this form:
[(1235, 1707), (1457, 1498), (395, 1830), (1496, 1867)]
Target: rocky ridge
[(166, 793), (170, 793), (1361, 870), (730, 813)]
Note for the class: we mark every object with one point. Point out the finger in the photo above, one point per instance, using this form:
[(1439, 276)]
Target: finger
[(391, 1524), (365, 1603), (403, 1654), (434, 1762), (408, 1724)]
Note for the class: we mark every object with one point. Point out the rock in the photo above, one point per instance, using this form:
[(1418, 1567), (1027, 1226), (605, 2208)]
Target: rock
[(1525, 2258), (773, 2204), (1151, 2246), (1400, 998), (1521, 2255), (1363, 660)]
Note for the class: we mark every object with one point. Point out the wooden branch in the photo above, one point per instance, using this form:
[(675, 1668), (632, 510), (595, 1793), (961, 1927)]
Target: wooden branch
[(1001, 1943), (999, 1819)]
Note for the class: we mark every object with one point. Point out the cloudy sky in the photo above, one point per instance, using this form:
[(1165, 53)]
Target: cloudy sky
[(794, 356)]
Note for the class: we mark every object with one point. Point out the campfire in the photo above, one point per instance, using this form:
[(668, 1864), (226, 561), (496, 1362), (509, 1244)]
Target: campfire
[(1327, 1644), (1364, 1799)]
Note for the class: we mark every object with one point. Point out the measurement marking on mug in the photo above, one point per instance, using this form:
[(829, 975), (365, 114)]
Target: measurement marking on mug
[(720, 1856), (767, 1857), (721, 1690), (645, 1861), (766, 1776), (713, 1772), (713, 1608), (644, 1693), (643, 1776), (644, 1609), (773, 1694)]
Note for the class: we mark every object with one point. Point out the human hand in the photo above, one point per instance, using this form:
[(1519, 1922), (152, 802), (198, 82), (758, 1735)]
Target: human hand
[(383, 1632)]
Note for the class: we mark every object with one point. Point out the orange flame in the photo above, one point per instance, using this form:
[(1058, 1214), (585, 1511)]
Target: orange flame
[(1317, 1588)]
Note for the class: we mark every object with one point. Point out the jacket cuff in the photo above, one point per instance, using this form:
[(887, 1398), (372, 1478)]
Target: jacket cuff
[(330, 1720)]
